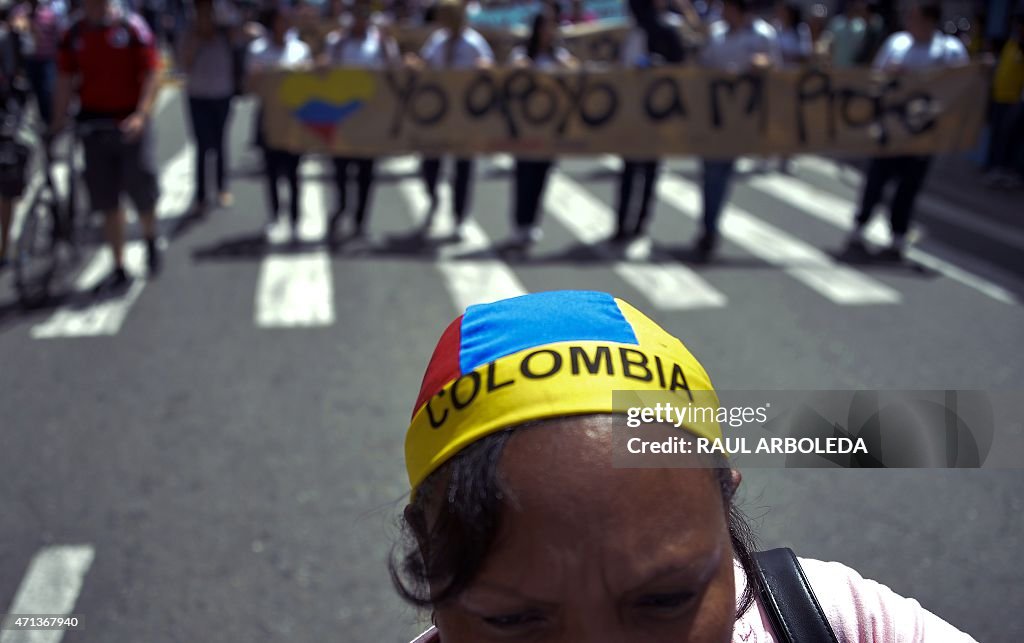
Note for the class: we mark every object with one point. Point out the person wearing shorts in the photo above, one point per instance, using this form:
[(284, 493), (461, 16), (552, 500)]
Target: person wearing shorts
[(110, 56)]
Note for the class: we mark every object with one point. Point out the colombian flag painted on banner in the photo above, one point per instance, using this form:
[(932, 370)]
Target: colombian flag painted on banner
[(542, 355)]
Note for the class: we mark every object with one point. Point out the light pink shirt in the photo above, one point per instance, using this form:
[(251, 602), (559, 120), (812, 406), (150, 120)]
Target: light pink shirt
[(859, 610)]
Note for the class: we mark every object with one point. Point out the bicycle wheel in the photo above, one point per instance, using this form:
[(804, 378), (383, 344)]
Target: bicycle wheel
[(34, 264), (65, 255)]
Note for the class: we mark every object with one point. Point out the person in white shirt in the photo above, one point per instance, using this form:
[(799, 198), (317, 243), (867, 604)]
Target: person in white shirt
[(279, 48), (542, 52), (921, 46), (655, 40), (361, 44), (794, 34), (736, 43), (853, 36), (454, 46)]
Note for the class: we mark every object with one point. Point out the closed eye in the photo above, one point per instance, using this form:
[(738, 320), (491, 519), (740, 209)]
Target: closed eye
[(512, 621), (665, 602)]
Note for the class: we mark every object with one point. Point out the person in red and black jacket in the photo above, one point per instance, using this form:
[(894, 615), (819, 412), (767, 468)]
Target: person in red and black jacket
[(108, 55)]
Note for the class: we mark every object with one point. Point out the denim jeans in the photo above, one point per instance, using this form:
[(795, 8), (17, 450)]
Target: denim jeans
[(717, 176)]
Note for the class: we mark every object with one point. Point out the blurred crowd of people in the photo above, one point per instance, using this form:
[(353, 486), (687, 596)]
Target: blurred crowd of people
[(108, 57)]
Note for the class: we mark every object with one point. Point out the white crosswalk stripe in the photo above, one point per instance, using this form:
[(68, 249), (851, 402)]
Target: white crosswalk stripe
[(934, 206), (804, 262), (472, 272), (667, 285), (105, 316), (294, 287), (837, 211), (50, 586)]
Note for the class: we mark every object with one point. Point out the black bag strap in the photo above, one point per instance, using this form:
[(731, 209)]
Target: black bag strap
[(789, 600)]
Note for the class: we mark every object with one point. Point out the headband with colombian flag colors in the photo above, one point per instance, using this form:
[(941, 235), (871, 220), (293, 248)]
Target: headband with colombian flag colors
[(537, 356)]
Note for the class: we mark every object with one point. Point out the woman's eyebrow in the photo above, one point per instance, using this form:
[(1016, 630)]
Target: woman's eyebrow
[(690, 570), (504, 589)]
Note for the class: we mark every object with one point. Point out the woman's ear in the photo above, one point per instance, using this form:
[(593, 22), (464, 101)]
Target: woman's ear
[(737, 478), (417, 523)]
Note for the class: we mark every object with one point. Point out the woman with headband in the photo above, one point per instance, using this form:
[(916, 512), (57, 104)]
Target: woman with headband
[(520, 529)]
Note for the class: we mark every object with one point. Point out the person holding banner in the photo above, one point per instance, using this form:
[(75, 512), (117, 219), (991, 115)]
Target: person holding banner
[(854, 35), (454, 46), (794, 34), (921, 46), (362, 44), (737, 43), (656, 40), (279, 48), (541, 52)]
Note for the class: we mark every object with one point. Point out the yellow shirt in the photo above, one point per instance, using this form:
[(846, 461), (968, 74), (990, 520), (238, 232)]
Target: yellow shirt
[(1009, 79)]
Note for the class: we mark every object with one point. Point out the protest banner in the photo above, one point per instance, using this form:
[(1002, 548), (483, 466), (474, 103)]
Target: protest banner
[(633, 113)]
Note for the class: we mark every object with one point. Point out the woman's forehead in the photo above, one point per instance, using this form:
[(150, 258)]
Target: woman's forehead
[(565, 467)]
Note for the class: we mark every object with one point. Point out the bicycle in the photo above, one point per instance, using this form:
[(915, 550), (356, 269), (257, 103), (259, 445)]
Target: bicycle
[(48, 253)]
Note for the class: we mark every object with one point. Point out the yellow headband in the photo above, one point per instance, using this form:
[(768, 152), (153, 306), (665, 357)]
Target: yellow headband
[(539, 356)]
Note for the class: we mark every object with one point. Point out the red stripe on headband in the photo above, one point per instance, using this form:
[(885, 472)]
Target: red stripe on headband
[(444, 363)]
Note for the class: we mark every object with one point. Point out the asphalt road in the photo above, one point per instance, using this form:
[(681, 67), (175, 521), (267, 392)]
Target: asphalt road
[(217, 454)]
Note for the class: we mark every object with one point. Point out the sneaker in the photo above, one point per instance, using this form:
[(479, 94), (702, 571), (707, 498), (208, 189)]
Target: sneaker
[(117, 280), (855, 246), (621, 237), (640, 248), (358, 240), (893, 253), (428, 220), (1001, 179), (332, 227), (990, 178), (274, 231), (705, 247), (1011, 182), (153, 259), (996, 178), (524, 236), (459, 232)]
